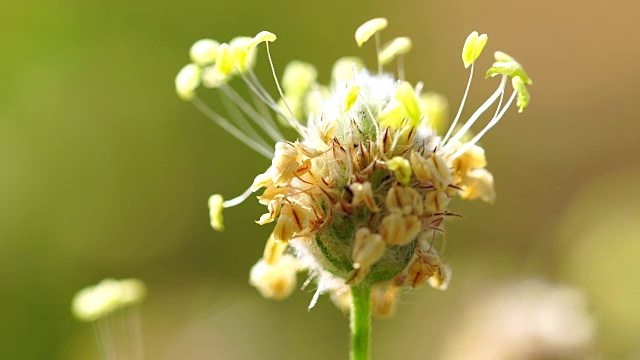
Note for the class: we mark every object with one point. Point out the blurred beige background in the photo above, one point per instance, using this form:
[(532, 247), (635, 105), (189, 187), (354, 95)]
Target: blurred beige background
[(106, 173)]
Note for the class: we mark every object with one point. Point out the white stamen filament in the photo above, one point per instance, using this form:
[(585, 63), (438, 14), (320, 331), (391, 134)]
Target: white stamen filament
[(262, 108), (464, 98), (378, 49), (232, 109), (478, 112), (292, 121), (401, 67), (257, 89), (491, 124), (261, 121), (238, 199), (226, 125)]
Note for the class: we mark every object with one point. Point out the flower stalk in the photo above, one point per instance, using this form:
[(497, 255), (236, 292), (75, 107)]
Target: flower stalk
[(360, 322)]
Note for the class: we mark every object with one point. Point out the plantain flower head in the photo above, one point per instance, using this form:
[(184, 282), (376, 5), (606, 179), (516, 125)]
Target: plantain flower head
[(360, 197)]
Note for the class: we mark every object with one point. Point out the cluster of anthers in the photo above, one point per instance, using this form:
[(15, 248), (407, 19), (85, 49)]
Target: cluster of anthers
[(361, 197)]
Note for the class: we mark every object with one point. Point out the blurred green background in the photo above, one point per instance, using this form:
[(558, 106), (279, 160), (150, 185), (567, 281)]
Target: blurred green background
[(106, 173)]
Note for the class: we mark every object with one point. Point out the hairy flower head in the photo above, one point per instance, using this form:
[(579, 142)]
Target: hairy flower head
[(361, 198)]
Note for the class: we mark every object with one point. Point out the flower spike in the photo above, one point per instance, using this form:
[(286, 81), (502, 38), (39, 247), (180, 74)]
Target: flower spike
[(360, 198)]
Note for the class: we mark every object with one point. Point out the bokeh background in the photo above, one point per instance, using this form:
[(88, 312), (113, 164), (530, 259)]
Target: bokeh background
[(104, 172)]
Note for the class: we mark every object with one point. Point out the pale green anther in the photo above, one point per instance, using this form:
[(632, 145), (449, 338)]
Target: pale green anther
[(392, 116), (95, 302), (523, 94), (298, 78), (368, 29), (406, 96), (350, 98), (204, 52), (503, 68), (216, 205), (224, 65), (401, 168), (263, 36), (187, 81), (211, 78), (315, 99), (436, 109), (242, 59), (502, 57), (473, 48), (295, 104), (133, 291), (343, 68), (399, 46)]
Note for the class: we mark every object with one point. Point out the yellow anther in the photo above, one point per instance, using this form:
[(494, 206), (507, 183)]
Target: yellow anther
[(503, 68), (204, 52), (263, 36), (523, 93), (401, 168), (399, 46), (368, 29), (391, 116), (212, 78), (344, 67), (187, 81), (406, 96), (436, 109), (502, 57), (298, 78), (132, 291), (224, 64), (241, 58), (350, 97), (94, 302), (473, 48), (216, 205)]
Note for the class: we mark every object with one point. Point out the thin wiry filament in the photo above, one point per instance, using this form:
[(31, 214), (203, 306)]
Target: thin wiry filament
[(226, 125), (106, 341), (264, 111), (254, 85), (292, 121), (491, 124), (378, 49), (135, 324), (240, 120), (239, 199), (257, 118), (479, 112), (401, 67), (464, 98)]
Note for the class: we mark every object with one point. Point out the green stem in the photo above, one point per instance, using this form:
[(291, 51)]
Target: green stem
[(360, 322)]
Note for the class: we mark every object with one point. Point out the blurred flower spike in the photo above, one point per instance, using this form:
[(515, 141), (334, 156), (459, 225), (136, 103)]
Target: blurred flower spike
[(361, 198)]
